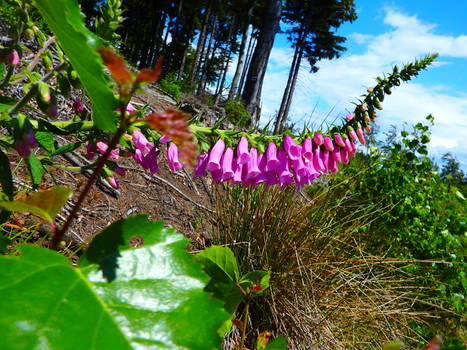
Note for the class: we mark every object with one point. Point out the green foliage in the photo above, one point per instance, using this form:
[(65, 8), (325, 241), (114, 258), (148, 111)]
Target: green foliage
[(66, 22), (45, 204), (425, 218), (119, 297), (236, 113), (171, 86)]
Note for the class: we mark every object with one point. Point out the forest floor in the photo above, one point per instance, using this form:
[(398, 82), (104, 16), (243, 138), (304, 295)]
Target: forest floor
[(178, 200)]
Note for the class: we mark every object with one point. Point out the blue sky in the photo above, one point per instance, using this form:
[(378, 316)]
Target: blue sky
[(387, 33)]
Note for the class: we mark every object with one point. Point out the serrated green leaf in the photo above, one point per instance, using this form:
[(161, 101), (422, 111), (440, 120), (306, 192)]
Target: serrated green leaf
[(6, 178), (35, 168), (280, 343), (66, 148), (45, 140), (215, 258), (221, 266), (45, 204), (66, 22)]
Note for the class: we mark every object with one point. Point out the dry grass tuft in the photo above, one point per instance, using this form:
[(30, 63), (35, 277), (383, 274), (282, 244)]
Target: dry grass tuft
[(326, 291)]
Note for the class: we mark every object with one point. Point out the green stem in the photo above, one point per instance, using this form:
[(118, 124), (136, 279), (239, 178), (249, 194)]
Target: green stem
[(7, 77), (245, 322)]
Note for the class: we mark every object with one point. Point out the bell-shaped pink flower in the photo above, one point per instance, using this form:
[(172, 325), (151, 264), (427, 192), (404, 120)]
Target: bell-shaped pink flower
[(216, 175), (344, 156), (130, 108), (150, 161), (318, 139), (285, 175), (13, 58), (164, 139), (361, 136), (348, 145), (336, 154), (325, 159), (332, 165), (300, 168), (119, 171), (138, 157), (215, 156), (172, 158), (339, 140), (113, 182), (91, 151), (293, 150), (78, 106), (313, 173), (252, 170), (271, 178), (328, 144), (349, 116), (141, 142), (243, 156), (353, 149), (352, 133), (238, 171), (307, 149), (226, 164), (201, 164), (317, 161), (261, 178), (271, 155)]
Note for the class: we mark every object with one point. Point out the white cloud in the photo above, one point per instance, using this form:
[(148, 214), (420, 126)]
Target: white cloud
[(341, 81)]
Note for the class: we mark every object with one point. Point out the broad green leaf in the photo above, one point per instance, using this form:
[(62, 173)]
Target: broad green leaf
[(6, 179), (6, 103), (66, 148), (35, 169), (66, 22), (157, 282), (45, 140), (45, 204), (255, 281), (221, 266), (155, 301), (219, 258), (280, 343)]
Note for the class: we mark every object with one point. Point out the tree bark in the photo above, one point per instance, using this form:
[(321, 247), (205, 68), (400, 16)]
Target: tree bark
[(226, 59), (202, 82), (251, 93), (249, 54), (200, 45), (241, 56), (279, 124)]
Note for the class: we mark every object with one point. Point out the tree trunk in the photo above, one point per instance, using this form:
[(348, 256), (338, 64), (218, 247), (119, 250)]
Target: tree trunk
[(241, 56), (249, 54), (279, 124), (200, 46), (183, 63), (251, 93), (226, 58), (201, 84)]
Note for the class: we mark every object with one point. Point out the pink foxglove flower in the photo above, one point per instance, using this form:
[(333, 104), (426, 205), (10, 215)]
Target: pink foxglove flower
[(352, 133), (271, 178), (336, 154), (139, 157), (201, 164), (293, 150), (13, 58), (243, 155), (140, 141), (271, 155), (130, 108), (344, 156), (119, 171), (164, 139), (332, 165), (172, 158), (226, 164), (325, 159), (261, 178), (361, 136), (113, 182), (252, 170), (216, 175), (215, 156), (78, 106), (238, 171), (91, 151), (348, 145), (328, 144), (317, 161), (150, 161), (299, 167), (285, 175), (313, 173), (318, 139), (349, 116), (339, 140), (307, 149)]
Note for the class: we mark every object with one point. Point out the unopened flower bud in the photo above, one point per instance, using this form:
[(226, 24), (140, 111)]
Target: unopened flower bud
[(13, 58), (78, 106)]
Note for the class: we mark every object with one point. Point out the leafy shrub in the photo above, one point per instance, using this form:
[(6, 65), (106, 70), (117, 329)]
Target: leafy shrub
[(170, 85), (236, 113)]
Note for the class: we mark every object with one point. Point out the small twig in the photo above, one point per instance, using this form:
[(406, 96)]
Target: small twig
[(38, 54), (149, 178)]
